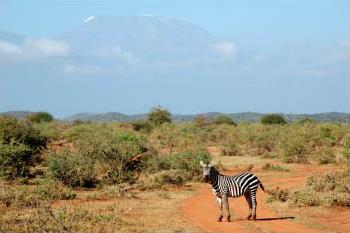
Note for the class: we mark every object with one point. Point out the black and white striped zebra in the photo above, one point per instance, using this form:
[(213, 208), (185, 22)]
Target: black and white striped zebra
[(232, 186)]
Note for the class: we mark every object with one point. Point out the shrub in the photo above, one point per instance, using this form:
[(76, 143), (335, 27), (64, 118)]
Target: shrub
[(294, 151), (15, 158), (307, 121), (143, 126), (271, 119), (19, 145), (326, 156), (158, 116), (13, 130), (200, 121), (346, 148), (224, 120), (73, 170), (40, 117), (305, 197), (329, 189), (230, 149), (166, 177), (27, 196), (187, 162), (278, 195)]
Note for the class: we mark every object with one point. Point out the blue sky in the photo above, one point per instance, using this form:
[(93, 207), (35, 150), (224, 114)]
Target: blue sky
[(287, 56)]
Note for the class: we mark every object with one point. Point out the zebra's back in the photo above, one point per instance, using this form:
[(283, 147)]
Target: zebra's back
[(238, 184)]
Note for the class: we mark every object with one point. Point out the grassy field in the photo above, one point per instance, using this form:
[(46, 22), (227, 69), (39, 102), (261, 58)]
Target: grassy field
[(135, 177)]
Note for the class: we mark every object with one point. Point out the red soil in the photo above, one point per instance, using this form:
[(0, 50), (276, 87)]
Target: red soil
[(202, 211)]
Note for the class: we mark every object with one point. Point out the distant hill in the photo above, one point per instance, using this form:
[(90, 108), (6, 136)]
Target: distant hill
[(238, 117), (338, 117), (17, 114)]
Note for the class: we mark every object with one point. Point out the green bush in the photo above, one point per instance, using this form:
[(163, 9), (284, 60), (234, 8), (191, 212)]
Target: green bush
[(15, 159), (224, 120), (328, 189), (13, 130), (166, 177), (27, 196), (19, 146), (72, 169), (40, 117), (272, 119), (188, 162), (278, 195), (143, 126), (158, 116), (294, 151), (326, 156)]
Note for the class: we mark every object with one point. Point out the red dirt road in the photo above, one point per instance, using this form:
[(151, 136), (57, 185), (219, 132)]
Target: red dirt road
[(201, 210)]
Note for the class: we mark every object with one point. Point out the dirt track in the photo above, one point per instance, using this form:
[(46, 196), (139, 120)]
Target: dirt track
[(201, 210)]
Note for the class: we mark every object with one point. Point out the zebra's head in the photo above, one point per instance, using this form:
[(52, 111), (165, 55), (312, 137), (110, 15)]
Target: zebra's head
[(208, 171)]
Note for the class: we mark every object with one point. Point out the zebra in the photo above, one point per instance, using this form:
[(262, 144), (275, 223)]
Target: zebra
[(232, 186)]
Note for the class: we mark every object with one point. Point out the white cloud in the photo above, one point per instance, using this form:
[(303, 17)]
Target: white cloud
[(89, 19), (7, 48), (46, 47), (32, 49), (227, 49), (117, 52)]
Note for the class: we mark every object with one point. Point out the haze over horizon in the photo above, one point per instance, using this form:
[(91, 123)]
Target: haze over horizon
[(67, 57)]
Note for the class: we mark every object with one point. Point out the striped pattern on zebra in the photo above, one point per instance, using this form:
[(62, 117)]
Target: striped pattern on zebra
[(232, 186)]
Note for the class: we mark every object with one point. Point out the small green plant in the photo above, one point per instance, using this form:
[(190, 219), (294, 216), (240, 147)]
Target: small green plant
[(272, 119)]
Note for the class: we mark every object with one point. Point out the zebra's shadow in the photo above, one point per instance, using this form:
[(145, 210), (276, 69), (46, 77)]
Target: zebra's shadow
[(268, 219)]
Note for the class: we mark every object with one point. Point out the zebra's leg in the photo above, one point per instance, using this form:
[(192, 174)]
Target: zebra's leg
[(254, 203), (227, 207), (249, 201), (219, 201)]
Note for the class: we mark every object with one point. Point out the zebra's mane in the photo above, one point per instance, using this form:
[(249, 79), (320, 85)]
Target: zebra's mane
[(214, 171)]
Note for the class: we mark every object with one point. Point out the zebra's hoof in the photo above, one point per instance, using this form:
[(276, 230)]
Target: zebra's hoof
[(254, 217), (220, 218), (249, 216), (228, 218)]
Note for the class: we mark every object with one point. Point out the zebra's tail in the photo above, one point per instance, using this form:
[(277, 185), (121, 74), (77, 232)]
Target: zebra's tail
[(262, 186)]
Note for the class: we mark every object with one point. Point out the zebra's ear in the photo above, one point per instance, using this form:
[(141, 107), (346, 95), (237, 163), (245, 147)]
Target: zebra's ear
[(202, 164)]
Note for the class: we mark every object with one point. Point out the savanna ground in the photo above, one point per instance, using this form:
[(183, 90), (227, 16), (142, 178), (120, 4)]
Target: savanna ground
[(145, 176)]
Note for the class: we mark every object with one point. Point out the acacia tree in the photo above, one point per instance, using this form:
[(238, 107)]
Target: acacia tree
[(271, 119), (159, 115), (40, 117)]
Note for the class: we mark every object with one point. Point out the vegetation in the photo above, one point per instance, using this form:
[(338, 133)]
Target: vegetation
[(158, 116), (329, 189), (224, 120), (41, 162), (20, 144), (271, 119), (40, 117)]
